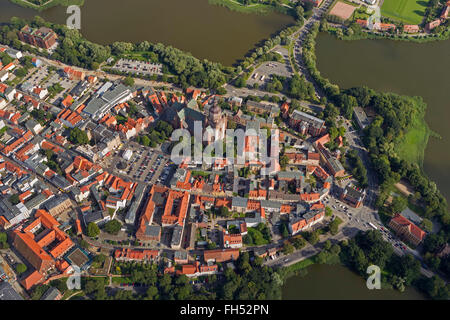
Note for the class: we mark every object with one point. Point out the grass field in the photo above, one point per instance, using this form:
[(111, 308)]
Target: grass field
[(257, 8), (407, 11), (412, 146)]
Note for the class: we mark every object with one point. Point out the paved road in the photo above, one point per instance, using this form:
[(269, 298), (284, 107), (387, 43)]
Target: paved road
[(301, 36)]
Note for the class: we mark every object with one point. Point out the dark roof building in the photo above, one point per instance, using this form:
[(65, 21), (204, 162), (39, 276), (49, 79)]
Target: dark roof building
[(306, 123), (51, 294), (130, 217), (352, 196), (7, 292)]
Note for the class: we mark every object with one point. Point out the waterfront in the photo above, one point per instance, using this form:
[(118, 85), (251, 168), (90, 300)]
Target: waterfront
[(404, 68), (325, 282), (207, 31)]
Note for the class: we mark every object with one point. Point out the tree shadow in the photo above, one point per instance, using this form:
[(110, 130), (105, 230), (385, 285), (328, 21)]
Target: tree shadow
[(423, 3)]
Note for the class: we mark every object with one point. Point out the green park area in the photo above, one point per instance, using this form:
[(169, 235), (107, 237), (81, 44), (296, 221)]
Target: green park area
[(252, 6), (45, 4), (407, 11), (411, 147)]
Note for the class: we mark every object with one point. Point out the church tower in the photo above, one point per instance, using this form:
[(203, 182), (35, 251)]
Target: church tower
[(217, 121)]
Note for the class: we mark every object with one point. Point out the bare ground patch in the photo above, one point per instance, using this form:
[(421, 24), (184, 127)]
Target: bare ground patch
[(342, 10)]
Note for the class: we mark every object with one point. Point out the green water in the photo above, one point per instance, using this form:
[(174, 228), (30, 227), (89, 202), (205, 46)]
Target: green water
[(329, 282), (205, 30), (404, 68)]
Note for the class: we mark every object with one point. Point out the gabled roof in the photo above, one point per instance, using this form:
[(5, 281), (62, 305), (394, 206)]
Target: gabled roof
[(33, 279), (411, 227)]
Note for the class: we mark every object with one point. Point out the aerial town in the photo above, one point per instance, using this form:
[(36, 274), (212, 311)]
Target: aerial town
[(89, 187)]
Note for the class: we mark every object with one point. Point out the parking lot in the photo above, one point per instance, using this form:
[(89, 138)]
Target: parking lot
[(145, 165), (38, 76), (64, 82), (138, 67), (263, 73)]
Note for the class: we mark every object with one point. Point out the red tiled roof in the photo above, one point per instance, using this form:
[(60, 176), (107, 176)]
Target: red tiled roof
[(33, 279), (413, 229)]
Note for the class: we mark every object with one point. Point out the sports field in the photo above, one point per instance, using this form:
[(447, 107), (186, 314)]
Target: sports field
[(407, 11)]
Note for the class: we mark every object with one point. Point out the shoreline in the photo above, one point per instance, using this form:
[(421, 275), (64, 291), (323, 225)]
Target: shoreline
[(49, 4), (258, 8)]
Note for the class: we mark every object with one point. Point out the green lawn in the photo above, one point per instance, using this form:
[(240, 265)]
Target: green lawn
[(412, 146), (407, 11)]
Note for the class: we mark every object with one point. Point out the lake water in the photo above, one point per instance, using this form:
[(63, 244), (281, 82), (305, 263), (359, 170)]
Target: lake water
[(207, 31), (328, 282), (402, 67)]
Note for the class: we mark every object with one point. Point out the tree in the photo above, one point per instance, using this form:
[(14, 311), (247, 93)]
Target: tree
[(93, 285), (299, 11), (288, 248), (21, 268), (322, 257), (436, 288), (122, 47), (14, 199), (298, 242), (128, 81), (78, 136), (3, 237), (427, 225), (100, 259), (84, 244), (432, 261), (221, 91), (284, 160), (145, 141), (328, 212), (335, 249), (93, 230), (224, 212), (406, 267), (211, 245), (22, 72), (113, 227), (334, 225), (434, 242), (240, 82), (152, 293), (398, 282), (398, 204), (327, 245), (312, 237)]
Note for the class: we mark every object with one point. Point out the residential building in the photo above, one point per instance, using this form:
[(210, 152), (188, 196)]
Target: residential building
[(230, 240), (52, 294), (407, 230), (306, 123), (353, 196), (220, 255), (127, 254), (42, 37)]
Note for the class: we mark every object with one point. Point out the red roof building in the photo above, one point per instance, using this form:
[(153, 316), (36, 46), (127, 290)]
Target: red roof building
[(33, 279), (127, 254), (41, 243), (411, 28), (231, 240), (406, 229), (220, 255)]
